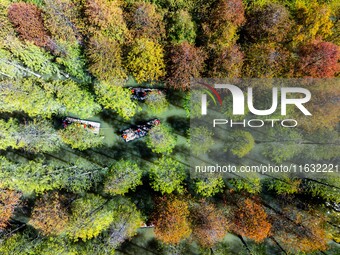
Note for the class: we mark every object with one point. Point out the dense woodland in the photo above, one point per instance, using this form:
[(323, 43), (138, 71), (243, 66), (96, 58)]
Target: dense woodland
[(65, 191)]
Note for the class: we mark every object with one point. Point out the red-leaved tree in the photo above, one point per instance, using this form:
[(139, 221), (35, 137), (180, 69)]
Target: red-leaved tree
[(227, 63), (319, 60), (185, 62), (210, 225), (28, 22)]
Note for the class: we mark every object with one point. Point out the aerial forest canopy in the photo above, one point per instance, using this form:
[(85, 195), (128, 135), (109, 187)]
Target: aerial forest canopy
[(70, 188)]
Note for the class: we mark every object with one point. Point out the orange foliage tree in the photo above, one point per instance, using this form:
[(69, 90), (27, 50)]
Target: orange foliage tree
[(171, 220), (49, 214), (299, 231), (185, 62), (250, 220), (106, 17), (28, 22), (9, 199), (144, 20), (220, 28), (227, 62), (222, 22), (209, 223), (318, 60)]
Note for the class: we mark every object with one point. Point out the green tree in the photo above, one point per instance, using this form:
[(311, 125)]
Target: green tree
[(27, 95), (37, 136), (70, 57), (156, 102), (174, 5), (192, 104), (114, 97), (7, 137), (6, 26), (249, 183), (145, 60), (127, 220), (39, 98), (160, 139), (167, 175), (73, 98), (93, 214), (325, 188), (321, 145), (227, 108), (29, 242), (240, 143), (39, 176), (122, 177), (97, 246), (90, 216), (284, 185), (208, 186), (11, 68), (54, 245), (201, 140), (32, 57), (181, 27), (79, 137), (18, 243), (285, 145)]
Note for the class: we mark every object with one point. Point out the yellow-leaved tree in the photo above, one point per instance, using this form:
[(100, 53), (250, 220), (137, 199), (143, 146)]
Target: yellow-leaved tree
[(145, 60)]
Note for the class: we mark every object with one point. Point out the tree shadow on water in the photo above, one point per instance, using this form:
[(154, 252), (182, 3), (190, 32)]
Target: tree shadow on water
[(132, 150), (175, 97), (179, 124)]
